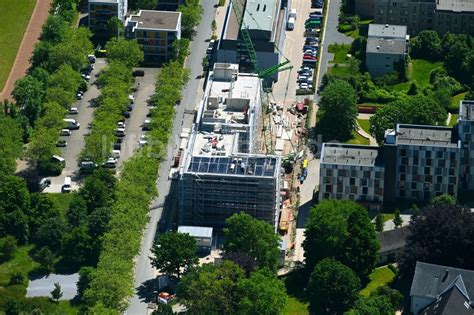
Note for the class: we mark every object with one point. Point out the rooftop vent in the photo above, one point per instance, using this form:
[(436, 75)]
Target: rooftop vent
[(446, 272)]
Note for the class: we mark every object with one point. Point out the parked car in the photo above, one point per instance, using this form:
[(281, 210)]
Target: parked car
[(131, 98), (91, 58), (61, 143), (117, 146), (110, 163), (210, 48), (130, 107), (120, 124), (120, 132), (79, 95), (303, 86), (73, 111), (66, 188), (87, 165), (310, 47), (126, 114), (65, 132), (310, 52), (43, 183), (86, 76), (307, 56), (138, 73)]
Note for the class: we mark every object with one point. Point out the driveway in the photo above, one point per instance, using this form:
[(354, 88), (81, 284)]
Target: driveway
[(192, 94), (76, 140)]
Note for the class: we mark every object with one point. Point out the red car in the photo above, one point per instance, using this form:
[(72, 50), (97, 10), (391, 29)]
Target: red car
[(306, 56)]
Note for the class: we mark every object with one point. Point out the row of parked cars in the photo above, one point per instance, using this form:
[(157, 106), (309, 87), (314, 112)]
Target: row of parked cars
[(310, 50)]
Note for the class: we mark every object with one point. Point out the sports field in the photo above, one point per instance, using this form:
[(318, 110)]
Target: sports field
[(14, 17)]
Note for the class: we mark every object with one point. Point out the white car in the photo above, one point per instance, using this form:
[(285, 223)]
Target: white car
[(73, 111), (120, 124), (86, 76), (303, 86), (65, 132), (141, 143), (111, 163)]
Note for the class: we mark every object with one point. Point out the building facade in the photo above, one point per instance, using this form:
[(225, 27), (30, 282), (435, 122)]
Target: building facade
[(155, 32), (101, 11), (386, 48), (455, 16), (169, 5), (466, 136), (364, 8)]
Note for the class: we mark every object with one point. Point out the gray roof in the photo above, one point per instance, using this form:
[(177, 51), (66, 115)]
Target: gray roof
[(386, 46), (466, 110), (451, 302), (159, 20), (196, 231), (393, 239), (432, 280), (387, 31), (251, 166), (426, 135), (261, 14), (455, 5), (348, 154)]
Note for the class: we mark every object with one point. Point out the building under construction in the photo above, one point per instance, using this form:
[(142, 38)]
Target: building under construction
[(223, 171)]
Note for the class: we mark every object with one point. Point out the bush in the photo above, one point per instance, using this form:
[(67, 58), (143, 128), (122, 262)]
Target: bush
[(17, 278), (8, 247)]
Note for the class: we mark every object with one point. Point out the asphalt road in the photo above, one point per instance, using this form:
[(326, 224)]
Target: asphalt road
[(192, 93)]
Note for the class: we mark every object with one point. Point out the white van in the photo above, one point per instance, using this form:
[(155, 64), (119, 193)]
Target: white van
[(67, 185), (58, 159), (71, 123), (291, 24), (292, 14)]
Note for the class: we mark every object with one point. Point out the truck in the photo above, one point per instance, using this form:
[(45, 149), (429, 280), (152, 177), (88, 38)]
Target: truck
[(71, 124), (291, 24)]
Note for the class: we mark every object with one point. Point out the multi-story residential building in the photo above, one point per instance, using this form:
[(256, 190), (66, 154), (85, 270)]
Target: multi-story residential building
[(364, 8), (265, 21), (101, 11), (455, 16), (353, 172), (414, 164), (223, 172), (426, 164), (386, 47), (169, 5), (155, 32)]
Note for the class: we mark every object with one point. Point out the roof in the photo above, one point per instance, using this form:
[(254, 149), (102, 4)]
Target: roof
[(256, 166), (387, 31), (455, 5), (466, 110), (426, 135), (453, 301), (393, 239), (432, 280), (361, 155), (386, 46), (158, 20), (196, 231), (104, 1), (261, 14), (232, 27)]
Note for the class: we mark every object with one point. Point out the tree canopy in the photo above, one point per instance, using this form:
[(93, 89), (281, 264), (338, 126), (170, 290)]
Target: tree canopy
[(333, 288), (341, 229), (337, 111), (10, 144), (191, 16), (441, 234), (254, 238), (125, 51)]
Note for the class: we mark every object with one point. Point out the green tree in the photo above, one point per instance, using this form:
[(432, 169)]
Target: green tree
[(99, 189), (261, 293), (77, 212), (147, 4), (73, 50), (28, 93), (210, 283), (444, 199), (45, 258), (51, 234), (85, 278), (173, 252), (413, 90), (8, 247), (333, 288), (78, 247), (17, 278), (338, 111), (126, 51), (115, 27), (163, 309), (397, 219), (181, 49), (10, 144), (54, 30), (341, 229), (426, 45), (379, 222), (255, 238), (57, 293), (191, 12)]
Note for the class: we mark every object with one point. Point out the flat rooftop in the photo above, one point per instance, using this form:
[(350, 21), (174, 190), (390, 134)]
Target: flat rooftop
[(348, 154), (455, 5), (255, 166), (387, 31), (159, 20), (426, 135), (214, 144), (196, 231), (386, 46), (466, 110), (261, 14)]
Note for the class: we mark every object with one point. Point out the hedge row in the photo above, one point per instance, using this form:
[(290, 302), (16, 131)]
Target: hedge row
[(112, 281), (116, 81)]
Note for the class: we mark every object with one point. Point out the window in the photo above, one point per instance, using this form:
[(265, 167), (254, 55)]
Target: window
[(440, 154), (428, 154), (439, 179), (402, 176), (352, 181), (428, 162), (365, 190), (413, 186), (427, 170)]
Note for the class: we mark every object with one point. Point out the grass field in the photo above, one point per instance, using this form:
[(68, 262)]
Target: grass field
[(456, 99), (420, 71), (379, 277), (62, 201), (364, 124), (295, 307), (358, 139), (340, 52), (388, 216), (454, 119), (14, 17)]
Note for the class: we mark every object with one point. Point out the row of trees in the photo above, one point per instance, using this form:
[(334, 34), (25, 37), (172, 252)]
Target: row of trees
[(115, 82), (106, 288)]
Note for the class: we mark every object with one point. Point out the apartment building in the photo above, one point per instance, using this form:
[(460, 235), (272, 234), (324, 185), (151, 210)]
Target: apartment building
[(155, 32), (414, 164), (353, 172), (169, 5), (387, 45), (223, 171), (455, 16), (101, 11)]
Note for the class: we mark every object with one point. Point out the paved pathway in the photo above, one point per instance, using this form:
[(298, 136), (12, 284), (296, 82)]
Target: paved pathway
[(32, 33), (364, 134)]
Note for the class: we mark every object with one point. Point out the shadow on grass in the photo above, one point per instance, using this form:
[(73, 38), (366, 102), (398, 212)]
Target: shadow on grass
[(296, 282)]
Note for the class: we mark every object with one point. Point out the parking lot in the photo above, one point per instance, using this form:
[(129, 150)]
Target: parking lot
[(284, 91)]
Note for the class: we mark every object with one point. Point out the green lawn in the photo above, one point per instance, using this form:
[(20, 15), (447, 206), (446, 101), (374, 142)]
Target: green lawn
[(62, 201), (358, 139), (364, 124), (21, 262), (454, 119), (456, 99), (295, 307), (14, 17), (340, 52), (388, 216), (420, 71), (379, 277)]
